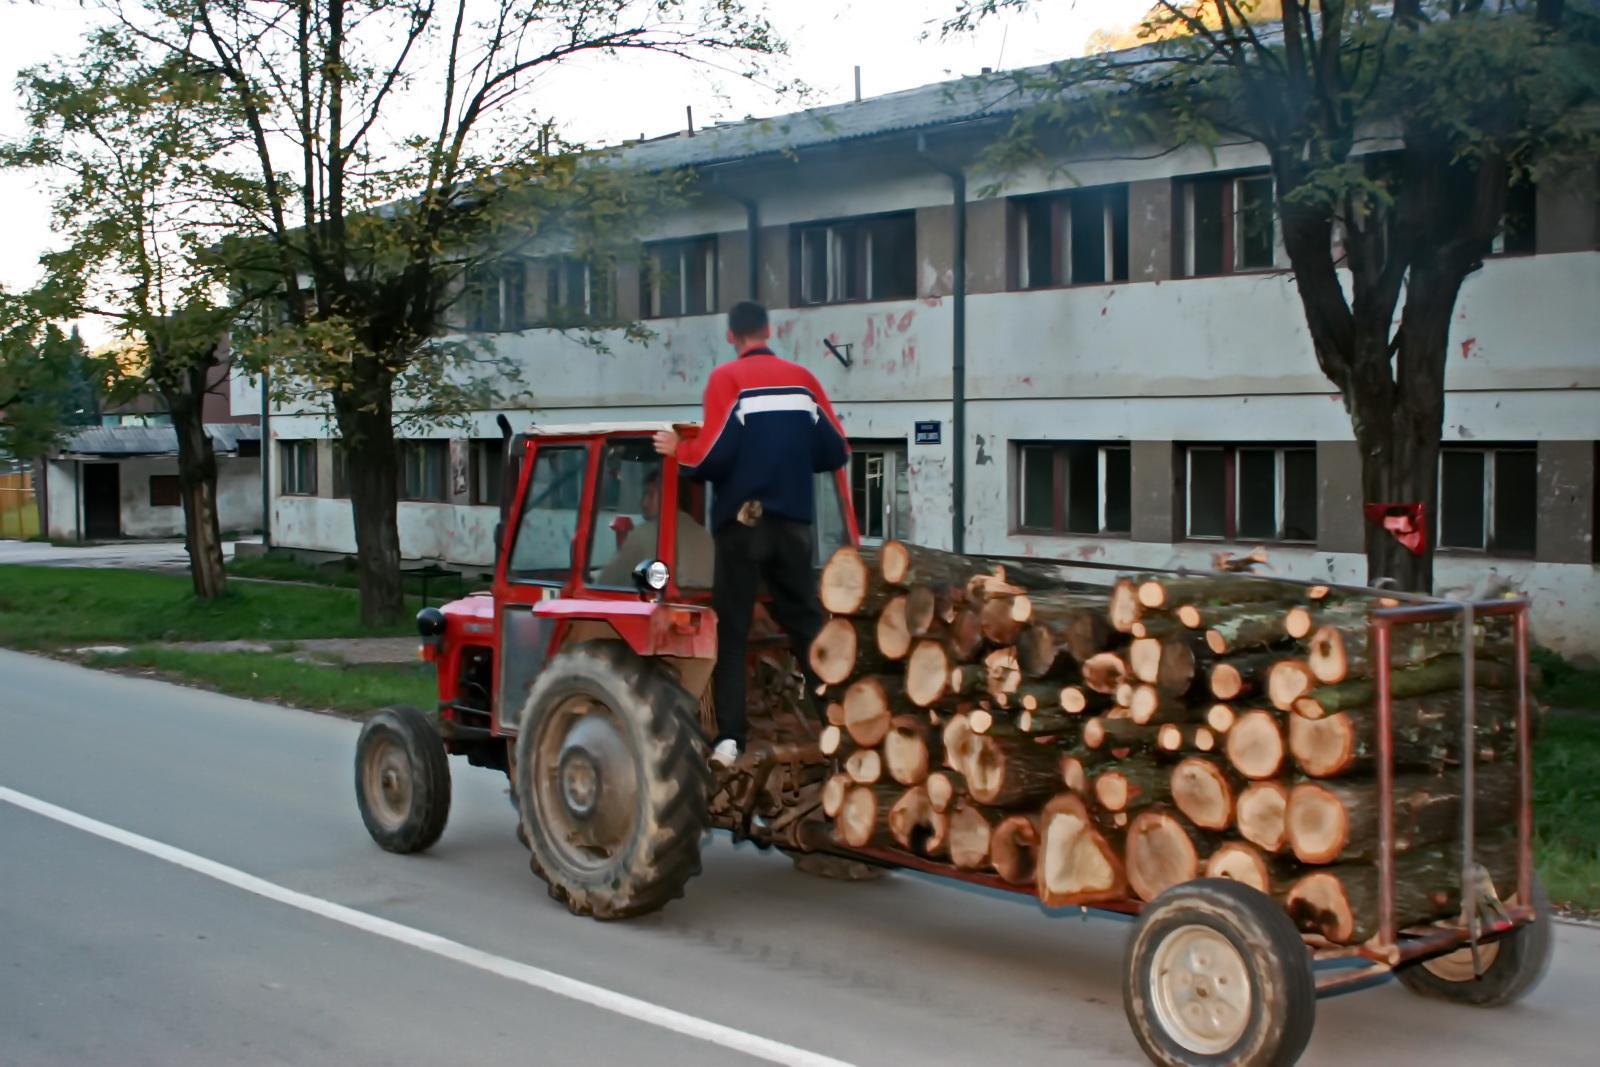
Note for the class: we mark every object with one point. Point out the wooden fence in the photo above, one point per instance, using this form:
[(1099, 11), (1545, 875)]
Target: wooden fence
[(19, 511)]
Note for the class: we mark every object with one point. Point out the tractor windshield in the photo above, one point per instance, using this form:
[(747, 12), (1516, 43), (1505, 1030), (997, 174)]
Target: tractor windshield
[(627, 522)]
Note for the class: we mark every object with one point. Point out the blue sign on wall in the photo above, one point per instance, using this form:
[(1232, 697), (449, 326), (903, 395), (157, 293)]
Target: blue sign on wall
[(928, 432)]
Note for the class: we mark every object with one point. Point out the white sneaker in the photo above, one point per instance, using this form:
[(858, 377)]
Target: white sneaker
[(725, 753)]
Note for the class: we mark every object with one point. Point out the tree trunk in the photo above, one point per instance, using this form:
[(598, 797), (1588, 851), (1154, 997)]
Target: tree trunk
[(1426, 734), (197, 487), (1435, 676), (1131, 787), (1161, 851), (1005, 771), (1331, 822), (366, 424)]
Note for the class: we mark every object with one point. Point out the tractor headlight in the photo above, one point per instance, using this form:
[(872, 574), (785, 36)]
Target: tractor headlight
[(430, 623), (651, 576)]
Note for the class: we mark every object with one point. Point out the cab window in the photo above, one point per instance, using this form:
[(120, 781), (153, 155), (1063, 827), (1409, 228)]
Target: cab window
[(627, 521), (548, 525), (833, 532)]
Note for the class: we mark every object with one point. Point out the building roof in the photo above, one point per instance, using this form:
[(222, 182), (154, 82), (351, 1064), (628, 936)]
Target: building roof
[(151, 440)]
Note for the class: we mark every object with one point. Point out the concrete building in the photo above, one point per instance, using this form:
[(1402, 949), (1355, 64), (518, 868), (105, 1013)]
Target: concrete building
[(111, 482), (1127, 376)]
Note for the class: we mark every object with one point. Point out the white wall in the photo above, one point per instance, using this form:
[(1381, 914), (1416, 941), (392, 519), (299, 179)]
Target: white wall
[(238, 497)]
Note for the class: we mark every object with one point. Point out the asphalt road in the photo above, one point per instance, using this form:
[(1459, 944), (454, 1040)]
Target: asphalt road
[(110, 954)]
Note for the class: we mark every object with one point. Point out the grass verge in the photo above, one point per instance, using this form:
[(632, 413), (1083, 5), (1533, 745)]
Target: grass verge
[(45, 607), (280, 566), (1566, 809), (353, 689)]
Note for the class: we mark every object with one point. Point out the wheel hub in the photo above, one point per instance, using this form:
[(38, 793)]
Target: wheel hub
[(580, 781), (1200, 989), (387, 779), (586, 782)]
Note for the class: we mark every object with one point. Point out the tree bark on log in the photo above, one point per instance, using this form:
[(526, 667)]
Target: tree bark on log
[(1014, 848), (1180, 667), (1161, 851), (1131, 787), (1079, 700), (1426, 733), (1076, 770), (1255, 745), (1432, 677), (1117, 733), (1003, 619), (1336, 653), (1262, 813), (1201, 590), (1062, 632), (971, 832), (1004, 771), (1150, 705), (1242, 677), (1172, 738), (850, 584), (1331, 822), (909, 748), (1049, 721), (1256, 629), (1203, 792), (1076, 865)]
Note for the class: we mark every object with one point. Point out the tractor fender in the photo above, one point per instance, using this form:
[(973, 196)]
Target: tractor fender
[(649, 629)]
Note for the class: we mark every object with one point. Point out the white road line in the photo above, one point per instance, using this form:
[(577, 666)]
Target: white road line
[(537, 977)]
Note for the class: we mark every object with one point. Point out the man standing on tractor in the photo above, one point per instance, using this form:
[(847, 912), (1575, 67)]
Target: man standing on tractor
[(766, 429)]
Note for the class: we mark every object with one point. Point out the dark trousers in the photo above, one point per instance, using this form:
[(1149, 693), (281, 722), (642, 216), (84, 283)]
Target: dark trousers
[(779, 554)]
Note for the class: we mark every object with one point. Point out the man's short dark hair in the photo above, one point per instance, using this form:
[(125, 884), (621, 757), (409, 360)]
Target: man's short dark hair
[(747, 318)]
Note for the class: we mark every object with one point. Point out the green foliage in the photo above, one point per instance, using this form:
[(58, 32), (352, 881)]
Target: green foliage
[(1563, 684), (49, 607), (1566, 808), (355, 689), (45, 381)]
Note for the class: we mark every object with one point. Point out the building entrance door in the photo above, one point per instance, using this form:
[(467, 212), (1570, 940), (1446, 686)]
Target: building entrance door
[(102, 502)]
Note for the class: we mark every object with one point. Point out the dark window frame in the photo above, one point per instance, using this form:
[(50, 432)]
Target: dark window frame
[(1233, 492), (486, 459), (894, 507), (1494, 540), (290, 471), (695, 256), (1229, 219), (1061, 209), (857, 232), (1061, 456), (435, 454), (1518, 233), (495, 297), (563, 275), (165, 491)]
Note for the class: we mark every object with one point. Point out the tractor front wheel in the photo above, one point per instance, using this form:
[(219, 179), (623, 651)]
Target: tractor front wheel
[(402, 779), (612, 781)]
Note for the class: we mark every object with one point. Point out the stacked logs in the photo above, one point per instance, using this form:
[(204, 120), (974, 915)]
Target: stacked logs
[(1105, 745)]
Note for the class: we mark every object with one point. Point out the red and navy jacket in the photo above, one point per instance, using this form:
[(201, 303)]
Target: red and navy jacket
[(767, 428)]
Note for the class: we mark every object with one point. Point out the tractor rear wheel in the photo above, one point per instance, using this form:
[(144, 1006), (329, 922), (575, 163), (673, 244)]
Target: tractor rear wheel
[(612, 781), (402, 779)]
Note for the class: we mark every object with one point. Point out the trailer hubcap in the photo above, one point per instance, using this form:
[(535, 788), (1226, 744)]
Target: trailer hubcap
[(587, 784), (1200, 990), (387, 781)]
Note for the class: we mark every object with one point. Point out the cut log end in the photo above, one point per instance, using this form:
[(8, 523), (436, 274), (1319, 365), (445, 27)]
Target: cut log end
[(1220, 718), (1014, 849), (1323, 747), (1227, 681), (857, 822), (1262, 811), (1125, 607), (894, 563), (846, 582), (1075, 775), (831, 740), (866, 711), (1202, 792), (1319, 904), (864, 766), (969, 836), (1288, 681), (1190, 616), (833, 794), (1076, 864), (943, 788), (894, 636), (1242, 863), (1255, 745), (1152, 595), (1297, 622), (1160, 854), (834, 652), (1318, 823), (905, 750), (1104, 671), (916, 827), (927, 673), (1326, 656)]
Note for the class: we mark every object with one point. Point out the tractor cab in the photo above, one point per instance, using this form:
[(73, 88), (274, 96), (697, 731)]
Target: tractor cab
[(584, 673)]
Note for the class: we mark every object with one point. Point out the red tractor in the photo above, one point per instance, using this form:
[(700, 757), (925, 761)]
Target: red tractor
[(584, 674)]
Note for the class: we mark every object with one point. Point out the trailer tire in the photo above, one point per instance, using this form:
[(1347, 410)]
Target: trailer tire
[(1216, 974), (402, 780), (1515, 964), (612, 781)]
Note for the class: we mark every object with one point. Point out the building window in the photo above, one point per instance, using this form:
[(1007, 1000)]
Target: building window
[(298, 462), (1519, 224), (249, 448), (164, 491), (680, 278), (488, 461), (495, 297), (424, 470), (872, 258), (1488, 499), (1252, 492), (880, 491), (1080, 488), (341, 471), (576, 292), (1075, 238), (1227, 223)]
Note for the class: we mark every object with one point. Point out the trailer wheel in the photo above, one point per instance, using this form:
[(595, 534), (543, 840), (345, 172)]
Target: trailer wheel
[(612, 781), (1513, 965), (1217, 974), (402, 780)]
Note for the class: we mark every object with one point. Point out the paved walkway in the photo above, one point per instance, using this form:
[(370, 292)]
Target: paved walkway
[(337, 650), (143, 555)]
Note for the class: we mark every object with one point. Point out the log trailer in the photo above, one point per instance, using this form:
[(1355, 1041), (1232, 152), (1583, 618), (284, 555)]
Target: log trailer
[(990, 721)]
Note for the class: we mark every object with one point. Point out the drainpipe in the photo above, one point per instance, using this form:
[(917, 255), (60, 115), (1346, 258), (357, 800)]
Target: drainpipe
[(958, 347), (266, 463), (752, 226)]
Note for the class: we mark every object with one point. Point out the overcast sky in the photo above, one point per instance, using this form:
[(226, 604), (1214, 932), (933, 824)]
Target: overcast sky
[(603, 100)]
